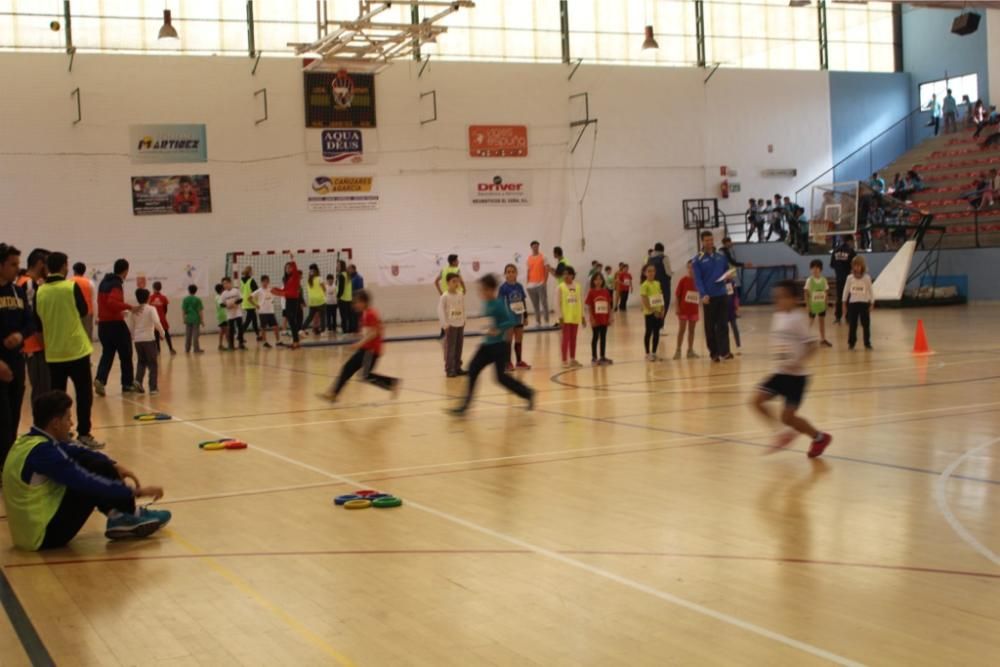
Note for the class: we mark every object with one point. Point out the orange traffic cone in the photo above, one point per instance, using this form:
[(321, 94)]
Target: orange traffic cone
[(920, 345)]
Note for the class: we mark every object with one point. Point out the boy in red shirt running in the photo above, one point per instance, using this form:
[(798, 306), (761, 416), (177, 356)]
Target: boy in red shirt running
[(687, 312), (367, 351), (159, 301), (599, 309)]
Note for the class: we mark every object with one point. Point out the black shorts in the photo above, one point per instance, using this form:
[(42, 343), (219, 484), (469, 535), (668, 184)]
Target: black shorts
[(789, 387), (813, 315), (268, 320)]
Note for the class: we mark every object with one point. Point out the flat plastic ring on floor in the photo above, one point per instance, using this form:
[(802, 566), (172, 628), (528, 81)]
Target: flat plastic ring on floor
[(152, 417), (340, 500), (365, 493), (213, 446), (376, 496), (358, 504), (388, 501), (217, 441), (234, 444)]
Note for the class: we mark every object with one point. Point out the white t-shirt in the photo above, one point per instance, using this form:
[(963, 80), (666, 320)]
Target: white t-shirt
[(144, 322), (451, 310), (265, 301), (231, 300), (331, 293), (859, 290), (790, 342)]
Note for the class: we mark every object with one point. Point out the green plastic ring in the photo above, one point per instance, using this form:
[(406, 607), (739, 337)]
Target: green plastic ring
[(386, 502)]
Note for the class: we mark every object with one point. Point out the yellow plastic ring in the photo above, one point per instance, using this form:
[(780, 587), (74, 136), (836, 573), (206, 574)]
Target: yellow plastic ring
[(357, 504)]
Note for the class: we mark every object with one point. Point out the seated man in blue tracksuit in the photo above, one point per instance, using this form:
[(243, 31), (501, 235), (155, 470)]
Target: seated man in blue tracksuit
[(51, 486), (709, 268)]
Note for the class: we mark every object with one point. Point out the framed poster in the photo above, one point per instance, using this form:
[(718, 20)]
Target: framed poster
[(498, 141), (164, 195)]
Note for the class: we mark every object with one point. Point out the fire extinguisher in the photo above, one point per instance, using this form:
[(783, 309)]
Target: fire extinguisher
[(725, 189)]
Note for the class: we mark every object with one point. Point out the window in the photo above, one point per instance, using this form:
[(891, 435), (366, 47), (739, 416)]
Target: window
[(967, 84)]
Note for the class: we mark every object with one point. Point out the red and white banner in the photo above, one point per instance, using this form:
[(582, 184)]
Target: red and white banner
[(500, 188), (498, 141)]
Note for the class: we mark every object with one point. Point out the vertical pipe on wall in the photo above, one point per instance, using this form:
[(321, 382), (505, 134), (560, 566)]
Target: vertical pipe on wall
[(68, 22), (699, 31), (897, 37), (564, 28), (251, 38), (415, 20), (824, 43)]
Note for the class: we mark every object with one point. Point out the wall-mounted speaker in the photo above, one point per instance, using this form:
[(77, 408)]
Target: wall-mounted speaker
[(965, 24)]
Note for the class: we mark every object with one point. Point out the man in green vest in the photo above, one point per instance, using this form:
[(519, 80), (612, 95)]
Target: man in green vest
[(51, 486), (59, 306), (247, 287)]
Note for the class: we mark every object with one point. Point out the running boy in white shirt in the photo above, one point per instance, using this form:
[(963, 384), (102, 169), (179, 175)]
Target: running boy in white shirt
[(231, 299), (451, 314), (264, 299), (792, 344), (145, 324)]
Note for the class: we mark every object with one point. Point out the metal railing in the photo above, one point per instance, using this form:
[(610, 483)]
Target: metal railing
[(912, 137)]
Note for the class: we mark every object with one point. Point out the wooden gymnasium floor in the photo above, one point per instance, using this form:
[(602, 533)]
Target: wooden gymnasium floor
[(631, 519)]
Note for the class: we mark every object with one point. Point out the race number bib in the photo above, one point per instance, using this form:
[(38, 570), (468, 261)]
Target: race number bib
[(781, 352), (571, 297), (656, 301), (627, 282), (729, 289), (456, 314), (691, 297), (517, 307), (601, 307), (818, 297), (857, 292)]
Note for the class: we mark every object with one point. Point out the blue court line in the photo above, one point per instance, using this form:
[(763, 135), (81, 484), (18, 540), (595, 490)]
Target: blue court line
[(26, 633)]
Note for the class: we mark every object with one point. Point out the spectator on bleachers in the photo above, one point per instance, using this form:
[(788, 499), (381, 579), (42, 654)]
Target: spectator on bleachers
[(976, 194), (877, 183), (967, 108), (990, 191), (897, 185), (935, 108), (978, 113), (776, 214), (755, 223), (992, 119), (950, 110)]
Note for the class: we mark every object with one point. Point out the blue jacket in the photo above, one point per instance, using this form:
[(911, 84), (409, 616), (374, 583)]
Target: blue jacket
[(60, 462), (707, 271)]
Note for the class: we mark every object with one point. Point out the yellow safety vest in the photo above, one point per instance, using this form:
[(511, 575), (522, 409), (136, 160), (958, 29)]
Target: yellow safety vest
[(571, 302)]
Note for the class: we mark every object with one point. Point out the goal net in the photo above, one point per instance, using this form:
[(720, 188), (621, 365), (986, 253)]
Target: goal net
[(272, 262), (833, 209)]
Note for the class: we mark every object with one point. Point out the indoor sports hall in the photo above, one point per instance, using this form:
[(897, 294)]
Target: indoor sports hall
[(324, 277)]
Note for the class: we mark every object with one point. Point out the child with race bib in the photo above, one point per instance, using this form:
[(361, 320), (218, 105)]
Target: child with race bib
[(816, 291), (264, 299), (569, 313), (688, 312), (513, 294), (451, 314), (653, 308), (599, 305), (860, 300)]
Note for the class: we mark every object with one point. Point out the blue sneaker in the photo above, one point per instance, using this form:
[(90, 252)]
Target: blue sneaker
[(163, 516), (128, 526)]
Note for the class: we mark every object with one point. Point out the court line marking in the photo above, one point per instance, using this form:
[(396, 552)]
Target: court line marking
[(24, 629), (578, 564), (941, 498), (251, 592), (504, 552)]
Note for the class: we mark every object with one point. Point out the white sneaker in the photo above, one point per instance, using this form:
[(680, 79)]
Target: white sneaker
[(90, 442)]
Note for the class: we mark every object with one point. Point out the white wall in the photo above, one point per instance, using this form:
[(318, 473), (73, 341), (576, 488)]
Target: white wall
[(992, 20), (660, 138)]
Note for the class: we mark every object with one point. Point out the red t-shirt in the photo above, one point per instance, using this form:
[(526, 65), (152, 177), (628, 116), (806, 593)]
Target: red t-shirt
[(159, 301), (292, 288), (599, 300), (685, 285), (370, 319), (624, 281)]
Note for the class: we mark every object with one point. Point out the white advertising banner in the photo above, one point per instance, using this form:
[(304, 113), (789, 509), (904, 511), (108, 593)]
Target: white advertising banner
[(340, 146), (423, 267), (343, 193), (500, 188)]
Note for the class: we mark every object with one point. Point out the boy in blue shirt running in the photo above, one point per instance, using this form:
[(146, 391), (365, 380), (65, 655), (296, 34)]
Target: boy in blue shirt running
[(493, 351)]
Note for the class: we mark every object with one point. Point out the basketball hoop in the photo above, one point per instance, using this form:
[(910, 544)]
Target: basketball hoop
[(819, 230)]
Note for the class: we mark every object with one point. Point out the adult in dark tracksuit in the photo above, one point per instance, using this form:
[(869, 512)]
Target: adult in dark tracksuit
[(659, 261), (112, 331), (840, 260), (709, 268), (16, 324)]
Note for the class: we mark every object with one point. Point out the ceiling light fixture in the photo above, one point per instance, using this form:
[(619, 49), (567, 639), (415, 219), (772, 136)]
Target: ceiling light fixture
[(167, 31)]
